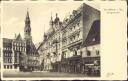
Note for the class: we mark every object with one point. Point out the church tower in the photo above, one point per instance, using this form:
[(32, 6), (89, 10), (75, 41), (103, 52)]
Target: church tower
[(51, 22), (27, 30)]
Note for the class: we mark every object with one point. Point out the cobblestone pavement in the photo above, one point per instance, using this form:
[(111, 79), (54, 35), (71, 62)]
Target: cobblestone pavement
[(40, 74)]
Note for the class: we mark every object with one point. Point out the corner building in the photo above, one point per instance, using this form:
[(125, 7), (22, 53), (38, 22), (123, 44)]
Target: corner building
[(73, 45)]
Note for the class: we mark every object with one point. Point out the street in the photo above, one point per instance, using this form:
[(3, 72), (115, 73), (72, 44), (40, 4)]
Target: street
[(40, 74)]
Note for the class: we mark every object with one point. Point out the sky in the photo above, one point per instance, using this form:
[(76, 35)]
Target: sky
[(14, 14)]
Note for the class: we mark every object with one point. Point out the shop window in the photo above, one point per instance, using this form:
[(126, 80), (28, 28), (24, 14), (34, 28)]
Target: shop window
[(15, 67), (88, 53)]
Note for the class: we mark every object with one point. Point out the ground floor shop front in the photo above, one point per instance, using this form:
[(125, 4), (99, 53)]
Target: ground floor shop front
[(78, 65)]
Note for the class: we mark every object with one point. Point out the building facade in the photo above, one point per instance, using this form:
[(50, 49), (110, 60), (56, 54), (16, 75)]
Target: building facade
[(21, 54), (81, 41), (50, 48), (73, 45), (12, 51), (32, 54)]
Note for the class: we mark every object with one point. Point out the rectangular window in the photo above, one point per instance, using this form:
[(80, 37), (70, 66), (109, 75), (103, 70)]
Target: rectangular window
[(15, 60), (4, 66), (88, 53), (10, 66), (10, 60), (7, 66), (97, 52)]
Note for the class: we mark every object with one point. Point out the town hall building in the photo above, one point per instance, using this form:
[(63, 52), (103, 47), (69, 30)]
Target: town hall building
[(19, 54)]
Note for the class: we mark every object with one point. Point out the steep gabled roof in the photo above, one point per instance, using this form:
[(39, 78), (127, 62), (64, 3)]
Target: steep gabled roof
[(93, 36), (19, 38)]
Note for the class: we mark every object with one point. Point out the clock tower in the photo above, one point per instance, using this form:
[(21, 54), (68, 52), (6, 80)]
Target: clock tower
[(27, 30)]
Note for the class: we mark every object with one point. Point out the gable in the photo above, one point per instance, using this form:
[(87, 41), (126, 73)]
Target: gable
[(93, 36), (19, 37)]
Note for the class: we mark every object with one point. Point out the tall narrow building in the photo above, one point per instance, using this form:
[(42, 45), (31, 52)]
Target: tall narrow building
[(27, 30), (27, 33), (32, 54)]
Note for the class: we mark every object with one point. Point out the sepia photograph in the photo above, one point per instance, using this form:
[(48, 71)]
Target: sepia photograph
[(63, 40), (51, 40)]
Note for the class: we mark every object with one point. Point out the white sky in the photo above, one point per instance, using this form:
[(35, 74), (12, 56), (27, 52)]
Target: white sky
[(14, 15)]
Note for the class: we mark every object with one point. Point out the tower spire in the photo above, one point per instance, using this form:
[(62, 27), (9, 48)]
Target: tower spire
[(27, 28), (27, 15)]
